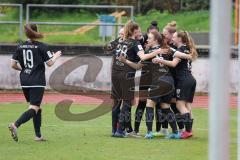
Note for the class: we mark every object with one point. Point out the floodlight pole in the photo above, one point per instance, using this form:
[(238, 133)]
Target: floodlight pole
[(236, 24), (220, 39), (238, 108)]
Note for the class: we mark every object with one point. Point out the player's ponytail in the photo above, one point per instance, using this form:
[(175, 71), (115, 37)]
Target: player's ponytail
[(192, 47), (187, 39), (31, 31)]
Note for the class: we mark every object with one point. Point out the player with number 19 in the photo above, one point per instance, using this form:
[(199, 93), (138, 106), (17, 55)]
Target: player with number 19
[(30, 58)]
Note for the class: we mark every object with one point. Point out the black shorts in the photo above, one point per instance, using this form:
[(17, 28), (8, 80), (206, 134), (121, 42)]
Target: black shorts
[(123, 86), (34, 95), (185, 89), (162, 90)]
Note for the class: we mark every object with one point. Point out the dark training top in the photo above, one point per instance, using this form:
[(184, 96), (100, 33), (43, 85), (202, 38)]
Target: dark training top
[(143, 40), (172, 70), (130, 49), (31, 57), (158, 70), (183, 69)]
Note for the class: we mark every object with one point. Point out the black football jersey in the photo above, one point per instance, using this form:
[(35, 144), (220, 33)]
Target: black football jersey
[(158, 70), (130, 49), (172, 70), (183, 69), (143, 40), (113, 44), (31, 56)]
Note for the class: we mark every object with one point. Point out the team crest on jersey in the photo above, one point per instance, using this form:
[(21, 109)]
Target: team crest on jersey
[(178, 92)]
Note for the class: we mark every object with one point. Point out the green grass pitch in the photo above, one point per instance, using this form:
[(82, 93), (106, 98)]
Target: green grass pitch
[(91, 140)]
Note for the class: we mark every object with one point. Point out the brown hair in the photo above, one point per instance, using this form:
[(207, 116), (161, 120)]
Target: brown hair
[(171, 27), (129, 28), (31, 31), (187, 39), (159, 37)]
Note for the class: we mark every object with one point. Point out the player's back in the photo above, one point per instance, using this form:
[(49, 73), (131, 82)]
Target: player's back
[(31, 56)]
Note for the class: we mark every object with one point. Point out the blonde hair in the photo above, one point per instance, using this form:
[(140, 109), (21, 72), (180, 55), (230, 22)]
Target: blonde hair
[(187, 39), (171, 27), (129, 29)]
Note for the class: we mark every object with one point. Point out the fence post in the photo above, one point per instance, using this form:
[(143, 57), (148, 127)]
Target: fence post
[(21, 22)]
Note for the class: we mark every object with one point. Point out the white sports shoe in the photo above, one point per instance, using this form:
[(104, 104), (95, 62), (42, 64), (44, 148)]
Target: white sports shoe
[(134, 134), (39, 139)]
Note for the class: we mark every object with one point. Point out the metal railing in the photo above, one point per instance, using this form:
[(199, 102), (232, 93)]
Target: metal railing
[(72, 6), (20, 21), (119, 24)]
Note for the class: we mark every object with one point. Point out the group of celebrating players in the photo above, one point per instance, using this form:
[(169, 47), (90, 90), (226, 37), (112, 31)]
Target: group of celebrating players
[(166, 81)]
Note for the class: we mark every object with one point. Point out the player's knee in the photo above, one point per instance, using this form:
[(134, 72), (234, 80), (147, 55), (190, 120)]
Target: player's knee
[(36, 108)]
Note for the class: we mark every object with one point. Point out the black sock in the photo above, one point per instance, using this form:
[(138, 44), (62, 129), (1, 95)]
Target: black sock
[(187, 121), (149, 118), (125, 117), (115, 115), (191, 124), (164, 120), (128, 115), (129, 120), (176, 111), (158, 118), (37, 121), (26, 116), (170, 117), (180, 120), (138, 115)]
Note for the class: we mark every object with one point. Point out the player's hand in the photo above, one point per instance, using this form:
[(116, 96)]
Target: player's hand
[(157, 60), (57, 54), (122, 58), (108, 47)]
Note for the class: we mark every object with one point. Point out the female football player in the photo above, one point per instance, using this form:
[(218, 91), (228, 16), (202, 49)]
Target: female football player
[(162, 86), (168, 32), (123, 76), (185, 82), (110, 48), (30, 59), (145, 81)]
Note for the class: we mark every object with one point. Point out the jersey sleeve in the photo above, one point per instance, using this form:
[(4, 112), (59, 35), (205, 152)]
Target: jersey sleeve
[(138, 47), (114, 43), (184, 49), (143, 40), (45, 52)]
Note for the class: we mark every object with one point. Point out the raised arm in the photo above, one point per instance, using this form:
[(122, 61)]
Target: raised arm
[(136, 66), (172, 63), (182, 55), (56, 55), (144, 57)]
